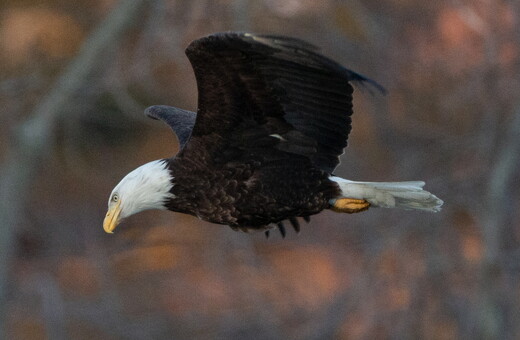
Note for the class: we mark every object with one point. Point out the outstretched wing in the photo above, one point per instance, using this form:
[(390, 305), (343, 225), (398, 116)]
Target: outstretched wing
[(257, 87), (181, 121)]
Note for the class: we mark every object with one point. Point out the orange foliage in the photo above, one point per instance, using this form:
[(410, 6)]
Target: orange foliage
[(509, 53), (348, 20), (398, 298), (454, 29), (201, 290), (296, 278), (472, 247), (389, 264), (356, 326), (441, 329), (24, 31), (302, 277), (27, 328), (78, 275), (144, 260), (175, 267)]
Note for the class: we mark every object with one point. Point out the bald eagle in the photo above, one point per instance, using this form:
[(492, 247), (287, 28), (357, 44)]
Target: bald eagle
[(273, 118)]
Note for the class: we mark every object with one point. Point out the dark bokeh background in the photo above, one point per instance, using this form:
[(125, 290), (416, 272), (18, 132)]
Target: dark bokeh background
[(75, 77)]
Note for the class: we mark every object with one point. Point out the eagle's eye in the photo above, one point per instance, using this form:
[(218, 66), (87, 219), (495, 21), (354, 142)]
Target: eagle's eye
[(115, 198)]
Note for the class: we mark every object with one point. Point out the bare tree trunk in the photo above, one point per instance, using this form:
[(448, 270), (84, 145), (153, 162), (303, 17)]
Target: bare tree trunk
[(240, 12), (496, 217), (33, 139), (499, 186)]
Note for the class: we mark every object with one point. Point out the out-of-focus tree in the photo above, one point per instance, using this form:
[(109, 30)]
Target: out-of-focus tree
[(451, 118)]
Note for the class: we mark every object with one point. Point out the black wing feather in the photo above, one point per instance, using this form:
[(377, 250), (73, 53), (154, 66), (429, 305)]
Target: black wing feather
[(181, 121), (279, 85)]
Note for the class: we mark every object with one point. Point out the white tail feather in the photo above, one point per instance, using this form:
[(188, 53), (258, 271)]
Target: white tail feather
[(406, 195)]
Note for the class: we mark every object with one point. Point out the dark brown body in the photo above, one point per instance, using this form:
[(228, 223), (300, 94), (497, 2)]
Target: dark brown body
[(251, 195)]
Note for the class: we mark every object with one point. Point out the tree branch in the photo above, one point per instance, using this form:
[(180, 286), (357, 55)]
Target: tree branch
[(33, 138), (499, 189), (494, 222)]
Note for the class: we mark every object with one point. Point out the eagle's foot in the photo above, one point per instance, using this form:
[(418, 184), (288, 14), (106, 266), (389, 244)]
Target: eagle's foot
[(349, 205)]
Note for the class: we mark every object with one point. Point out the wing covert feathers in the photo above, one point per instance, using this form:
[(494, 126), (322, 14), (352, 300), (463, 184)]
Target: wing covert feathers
[(180, 121), (272, 80)]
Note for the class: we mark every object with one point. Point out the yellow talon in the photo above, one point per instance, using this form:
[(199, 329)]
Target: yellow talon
[(350, 205)]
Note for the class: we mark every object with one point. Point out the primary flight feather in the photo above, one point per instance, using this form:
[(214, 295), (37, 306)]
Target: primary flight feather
[(273, 118)]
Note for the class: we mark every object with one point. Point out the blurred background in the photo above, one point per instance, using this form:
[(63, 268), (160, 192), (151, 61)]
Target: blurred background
[(75, 77)]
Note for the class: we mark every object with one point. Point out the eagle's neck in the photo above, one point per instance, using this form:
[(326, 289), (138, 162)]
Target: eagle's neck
[(197, 190), (147, 187)]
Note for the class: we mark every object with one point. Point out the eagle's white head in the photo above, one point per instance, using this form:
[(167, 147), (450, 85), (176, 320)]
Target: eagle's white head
[(147, 187)]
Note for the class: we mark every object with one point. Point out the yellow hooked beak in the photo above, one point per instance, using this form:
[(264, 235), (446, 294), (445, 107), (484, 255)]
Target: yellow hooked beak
[(112, 218)]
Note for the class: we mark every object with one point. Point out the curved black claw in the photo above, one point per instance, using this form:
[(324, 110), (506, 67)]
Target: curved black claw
[(295, 224), (306, 218), (267, 234), (281, 227)]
